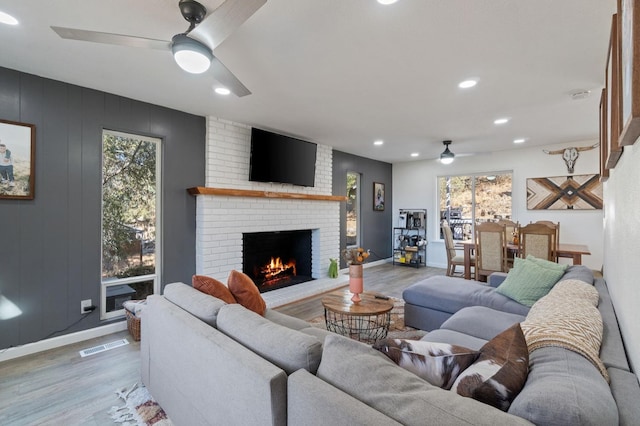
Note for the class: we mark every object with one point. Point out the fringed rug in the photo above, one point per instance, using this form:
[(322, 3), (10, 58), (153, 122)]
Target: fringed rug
[(139, 409), (397, 328)]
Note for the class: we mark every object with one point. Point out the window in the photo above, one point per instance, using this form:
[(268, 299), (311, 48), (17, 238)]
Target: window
[(467, 200), (130, 219), (353, 209)]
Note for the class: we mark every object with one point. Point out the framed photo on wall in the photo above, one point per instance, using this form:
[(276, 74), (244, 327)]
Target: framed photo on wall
[(629, 47), (378, 196), (612, 84), (17, 160)]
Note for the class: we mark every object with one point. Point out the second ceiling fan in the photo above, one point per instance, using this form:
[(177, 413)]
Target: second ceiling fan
[(192, 49)]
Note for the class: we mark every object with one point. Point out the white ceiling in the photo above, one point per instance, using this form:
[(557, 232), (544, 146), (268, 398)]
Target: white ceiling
[(347, 72)]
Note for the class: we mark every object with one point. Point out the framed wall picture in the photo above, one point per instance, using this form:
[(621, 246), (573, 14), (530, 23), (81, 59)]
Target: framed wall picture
[(613, 96), (577, 192), (604, 147), (378, 196), (17, 160), (629, 48)]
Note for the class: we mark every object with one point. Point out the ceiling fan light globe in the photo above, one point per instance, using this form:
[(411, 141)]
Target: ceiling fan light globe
[(446, 160), (191, 55), (447, 156)]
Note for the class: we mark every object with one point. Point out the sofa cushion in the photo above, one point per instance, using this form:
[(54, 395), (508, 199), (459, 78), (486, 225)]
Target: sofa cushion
[(455, 338), (367, 375), (197, 303), (579, 272), (246, 292), (612, 351), (285, 320), (437, 363), (450, 294), (482, 322), (288, 349), (500, 371), (527, 281), (626, 392), (563, 388), (212, 287)]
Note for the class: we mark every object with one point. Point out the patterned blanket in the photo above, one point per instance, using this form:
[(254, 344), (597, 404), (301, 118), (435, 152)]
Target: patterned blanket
[(567, 317)]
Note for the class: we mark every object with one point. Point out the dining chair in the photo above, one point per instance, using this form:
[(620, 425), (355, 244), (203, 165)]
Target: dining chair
[(491, 249), (453, 258), (555, 226), (513, 229), (538, 240)]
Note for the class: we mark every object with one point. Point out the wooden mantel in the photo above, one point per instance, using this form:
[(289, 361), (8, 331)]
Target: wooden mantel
[(201, 190)]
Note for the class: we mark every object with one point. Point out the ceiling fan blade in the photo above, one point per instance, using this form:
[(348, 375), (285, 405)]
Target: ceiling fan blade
[(227, 79), (109, 38), (224, 20)]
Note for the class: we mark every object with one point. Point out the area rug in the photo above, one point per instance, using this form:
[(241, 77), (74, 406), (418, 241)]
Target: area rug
[(397, 328), (139, 409)]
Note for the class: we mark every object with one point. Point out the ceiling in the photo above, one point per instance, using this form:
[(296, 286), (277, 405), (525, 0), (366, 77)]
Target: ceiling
[(347, 72)]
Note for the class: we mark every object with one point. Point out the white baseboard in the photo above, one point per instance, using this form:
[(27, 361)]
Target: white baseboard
[(56, 342)]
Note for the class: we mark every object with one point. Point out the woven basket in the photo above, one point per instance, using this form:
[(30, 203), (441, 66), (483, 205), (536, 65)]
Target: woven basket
[(133, 324)]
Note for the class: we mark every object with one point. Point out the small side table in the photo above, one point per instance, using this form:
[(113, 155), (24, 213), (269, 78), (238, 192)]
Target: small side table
[(366, 321)]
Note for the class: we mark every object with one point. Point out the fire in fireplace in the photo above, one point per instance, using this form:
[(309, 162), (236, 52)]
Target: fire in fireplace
[(277, 259), (277, 270)]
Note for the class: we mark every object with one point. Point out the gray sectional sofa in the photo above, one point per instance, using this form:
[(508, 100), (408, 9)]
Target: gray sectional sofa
[(207, 362), (562, 387)]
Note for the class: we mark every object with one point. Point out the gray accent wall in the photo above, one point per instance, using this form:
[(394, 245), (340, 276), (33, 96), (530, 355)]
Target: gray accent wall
[(376, 229), (50, 246)]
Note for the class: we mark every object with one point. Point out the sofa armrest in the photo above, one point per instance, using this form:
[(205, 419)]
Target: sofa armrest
[(496, 278), (312, 401)]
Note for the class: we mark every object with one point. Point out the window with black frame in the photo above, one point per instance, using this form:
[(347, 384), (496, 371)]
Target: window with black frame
[(465, 200)]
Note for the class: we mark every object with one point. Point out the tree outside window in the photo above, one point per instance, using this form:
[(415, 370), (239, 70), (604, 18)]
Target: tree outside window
[(466, 200)]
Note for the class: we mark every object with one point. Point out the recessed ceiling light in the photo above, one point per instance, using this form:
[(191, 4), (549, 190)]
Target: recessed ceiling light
[(467, 84), (5, 18), (385, 2), (378, 142), (521, 140), (222, 91), (415, 154), (501, 121)]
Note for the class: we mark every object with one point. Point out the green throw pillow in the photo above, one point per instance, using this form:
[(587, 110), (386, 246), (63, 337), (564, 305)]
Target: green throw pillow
[(527, 282), (548, 264)]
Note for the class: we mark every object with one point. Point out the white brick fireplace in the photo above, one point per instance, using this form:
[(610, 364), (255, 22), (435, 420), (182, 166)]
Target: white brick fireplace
[(221, 220)]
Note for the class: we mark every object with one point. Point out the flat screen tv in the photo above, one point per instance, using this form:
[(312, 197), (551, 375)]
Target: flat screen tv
[(281, 159)]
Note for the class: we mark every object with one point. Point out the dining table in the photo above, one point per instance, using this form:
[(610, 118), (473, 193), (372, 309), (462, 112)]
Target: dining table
[(566, 250)]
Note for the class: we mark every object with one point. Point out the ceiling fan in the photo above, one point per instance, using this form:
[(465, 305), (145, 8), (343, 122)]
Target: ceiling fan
[(192, 49), (447, 156)]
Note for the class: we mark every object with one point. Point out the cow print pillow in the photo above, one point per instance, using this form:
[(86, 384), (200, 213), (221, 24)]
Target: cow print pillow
[(499, 373), (437, 363)]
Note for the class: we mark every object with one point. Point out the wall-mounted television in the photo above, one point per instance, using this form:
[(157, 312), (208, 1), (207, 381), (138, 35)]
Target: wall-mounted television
[(281, 159)]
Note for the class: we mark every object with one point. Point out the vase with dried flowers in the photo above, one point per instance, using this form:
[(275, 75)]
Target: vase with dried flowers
[(355, 257)]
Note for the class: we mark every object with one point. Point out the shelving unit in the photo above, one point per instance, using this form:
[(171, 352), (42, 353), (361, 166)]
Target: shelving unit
[(410, 238)]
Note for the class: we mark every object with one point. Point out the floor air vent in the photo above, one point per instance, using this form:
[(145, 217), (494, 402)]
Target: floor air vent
[(104, 347)]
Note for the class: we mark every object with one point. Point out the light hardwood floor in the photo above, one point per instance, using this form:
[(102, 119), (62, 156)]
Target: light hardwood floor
[(58, 387)]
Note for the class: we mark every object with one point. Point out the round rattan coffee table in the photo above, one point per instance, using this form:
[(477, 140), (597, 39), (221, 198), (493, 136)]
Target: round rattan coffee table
[(366, 321)]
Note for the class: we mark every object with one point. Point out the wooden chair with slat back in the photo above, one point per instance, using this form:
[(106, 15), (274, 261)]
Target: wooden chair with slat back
[(538, 240), (453, 258), (555, 226), (491, 249), (512, 229)]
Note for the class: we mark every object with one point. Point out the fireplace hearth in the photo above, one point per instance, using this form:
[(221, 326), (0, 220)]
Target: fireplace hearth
[(278, 259)]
